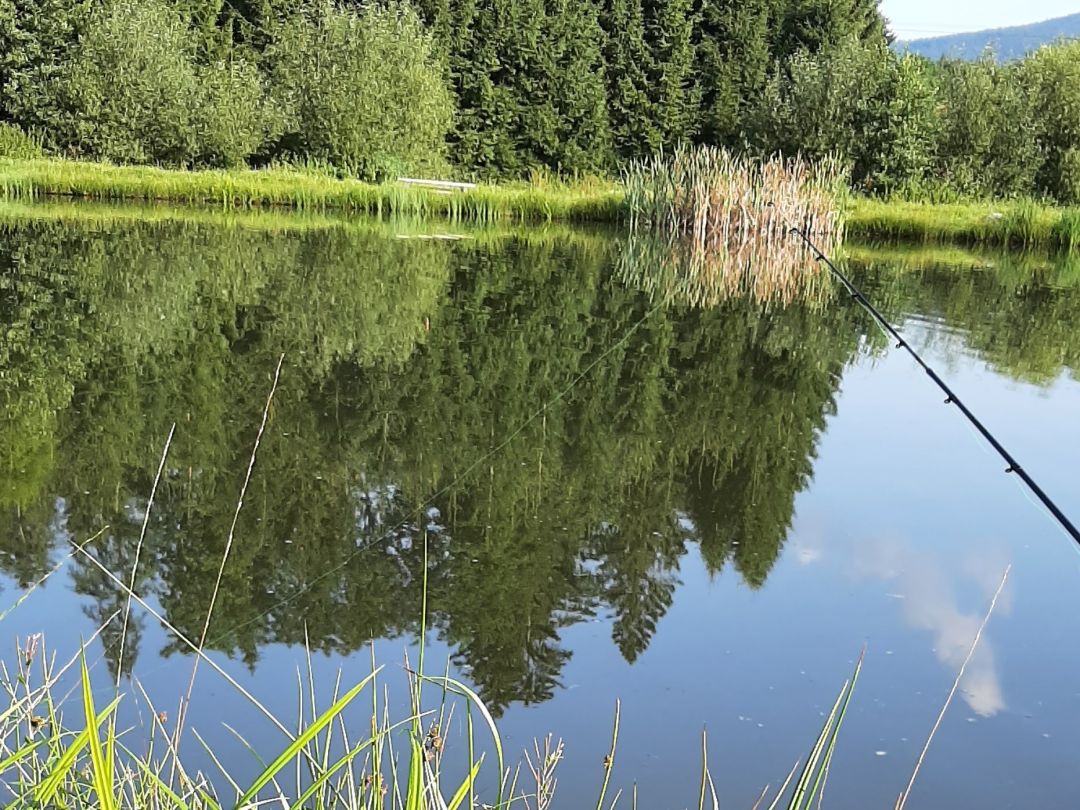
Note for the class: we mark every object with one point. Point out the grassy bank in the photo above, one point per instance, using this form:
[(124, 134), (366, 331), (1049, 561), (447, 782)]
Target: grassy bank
[(279, 220), (32, 179), (1005, 224), (1019, 223)]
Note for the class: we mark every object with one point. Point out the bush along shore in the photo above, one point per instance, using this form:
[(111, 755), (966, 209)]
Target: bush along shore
[(1020, 223)]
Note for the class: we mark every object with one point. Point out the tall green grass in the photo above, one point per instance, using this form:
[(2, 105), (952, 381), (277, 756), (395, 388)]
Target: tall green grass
[(69, 752), (1021, 223), (307, 191)]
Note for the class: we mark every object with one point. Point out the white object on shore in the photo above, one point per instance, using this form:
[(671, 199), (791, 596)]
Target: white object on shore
[(445, 185)]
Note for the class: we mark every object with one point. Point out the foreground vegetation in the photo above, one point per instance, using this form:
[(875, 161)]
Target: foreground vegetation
[(392, 764)]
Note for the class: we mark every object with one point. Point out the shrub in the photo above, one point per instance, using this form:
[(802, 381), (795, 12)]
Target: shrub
[(360, 89), (130, 89), (987, 145), (234, 116), (1069, 177), (1052, 78), (858, 101), (133, 91)]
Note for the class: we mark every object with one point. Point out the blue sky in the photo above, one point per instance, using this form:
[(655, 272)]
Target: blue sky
[(925, 18)]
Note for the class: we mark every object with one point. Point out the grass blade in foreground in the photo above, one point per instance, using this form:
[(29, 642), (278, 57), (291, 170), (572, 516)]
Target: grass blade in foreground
[(46, 792), (458, 687), (815, 768), (293, 749), (102, 765)]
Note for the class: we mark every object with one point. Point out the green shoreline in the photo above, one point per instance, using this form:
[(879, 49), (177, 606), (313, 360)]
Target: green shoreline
[(1014, 223)]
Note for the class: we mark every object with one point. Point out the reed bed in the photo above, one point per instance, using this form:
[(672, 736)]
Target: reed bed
[(726, 203), (680, 270), (725, 223)]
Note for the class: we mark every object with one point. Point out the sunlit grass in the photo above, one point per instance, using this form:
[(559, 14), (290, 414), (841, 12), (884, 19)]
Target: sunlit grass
[(1021, 223), (307, 190)]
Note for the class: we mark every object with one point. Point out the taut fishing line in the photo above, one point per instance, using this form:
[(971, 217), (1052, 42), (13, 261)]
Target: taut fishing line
[(951, 398)]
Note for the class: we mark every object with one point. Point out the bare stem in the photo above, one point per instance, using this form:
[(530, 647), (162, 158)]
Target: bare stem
[(952, 692)]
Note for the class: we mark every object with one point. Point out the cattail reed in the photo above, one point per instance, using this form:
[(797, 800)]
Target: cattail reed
[(726, 219), (678, 269)]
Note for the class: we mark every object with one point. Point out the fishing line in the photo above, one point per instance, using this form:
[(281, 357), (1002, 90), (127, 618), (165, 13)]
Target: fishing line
[(951, 398), (419, 510)]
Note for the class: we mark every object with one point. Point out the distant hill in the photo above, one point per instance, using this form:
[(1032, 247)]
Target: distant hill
[(1007, 43)]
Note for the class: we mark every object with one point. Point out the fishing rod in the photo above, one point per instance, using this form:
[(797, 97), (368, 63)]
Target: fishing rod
[(951, 398)]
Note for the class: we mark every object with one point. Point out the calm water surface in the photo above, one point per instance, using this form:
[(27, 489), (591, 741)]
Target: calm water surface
[(703, 512)]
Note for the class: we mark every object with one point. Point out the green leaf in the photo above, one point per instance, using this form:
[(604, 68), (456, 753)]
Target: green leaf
[(47, 790), (297, 746), (463, 791), (102, 767), (345, 760), (159, 784), (460, 688)]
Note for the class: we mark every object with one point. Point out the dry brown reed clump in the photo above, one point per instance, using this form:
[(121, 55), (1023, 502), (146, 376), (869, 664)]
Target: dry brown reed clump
[(728, 218), (676, 269)]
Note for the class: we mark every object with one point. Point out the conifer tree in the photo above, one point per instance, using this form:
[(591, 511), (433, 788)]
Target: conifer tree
[(628, 62), (529, 78), (732, 42), (576, 93), (676, 99), (821, 25), (482, 141)]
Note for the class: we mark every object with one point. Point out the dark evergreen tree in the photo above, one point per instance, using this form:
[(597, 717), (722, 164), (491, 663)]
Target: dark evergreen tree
[(629, 67), (820, 25), (576, 93), (483, 65), (529, 79), (732, 49), (676, 99)]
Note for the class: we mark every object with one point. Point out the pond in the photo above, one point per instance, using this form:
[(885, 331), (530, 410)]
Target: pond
[(704, 512)]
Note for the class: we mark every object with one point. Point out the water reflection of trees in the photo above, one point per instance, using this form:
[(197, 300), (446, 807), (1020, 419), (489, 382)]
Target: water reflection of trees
[(408, 361), (1019, 312)]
